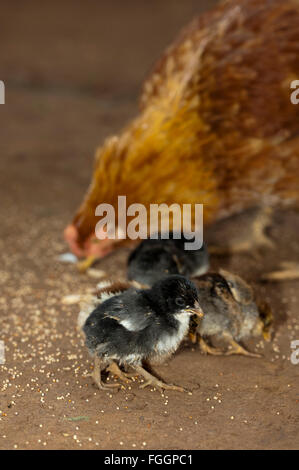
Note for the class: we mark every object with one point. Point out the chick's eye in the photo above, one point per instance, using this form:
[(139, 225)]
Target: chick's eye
[(180, 302)]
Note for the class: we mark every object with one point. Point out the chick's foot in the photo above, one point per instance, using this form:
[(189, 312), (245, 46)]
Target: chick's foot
[(236, 348), (289, 271), (206, 349), (115, 370), (96, 375), (152, 380)]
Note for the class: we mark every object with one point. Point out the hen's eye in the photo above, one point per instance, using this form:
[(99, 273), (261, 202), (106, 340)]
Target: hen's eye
[(180, 302)]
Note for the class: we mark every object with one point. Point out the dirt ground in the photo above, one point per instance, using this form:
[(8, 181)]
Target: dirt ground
[(72, 74)]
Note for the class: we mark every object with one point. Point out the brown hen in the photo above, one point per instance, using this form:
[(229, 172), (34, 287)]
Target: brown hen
[(216, 125)]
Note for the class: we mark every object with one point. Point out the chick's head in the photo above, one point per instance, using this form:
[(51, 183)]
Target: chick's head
[(176, 294)]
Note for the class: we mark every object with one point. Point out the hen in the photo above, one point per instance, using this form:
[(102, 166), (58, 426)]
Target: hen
[(216, 124)]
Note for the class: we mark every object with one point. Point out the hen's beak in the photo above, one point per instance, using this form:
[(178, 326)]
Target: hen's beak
[(196, 310)]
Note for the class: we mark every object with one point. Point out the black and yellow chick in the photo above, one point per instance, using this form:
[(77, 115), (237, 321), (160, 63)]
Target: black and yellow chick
[(230, 314), (154, 259), (141, 325)]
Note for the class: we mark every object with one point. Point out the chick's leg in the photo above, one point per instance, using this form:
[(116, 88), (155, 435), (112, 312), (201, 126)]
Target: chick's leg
[(115, 370), (152, 380), (96, 375), (206, 349), (192, 337), (254, 238)]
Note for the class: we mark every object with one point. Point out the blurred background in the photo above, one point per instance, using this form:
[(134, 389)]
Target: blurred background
[(73, 71)]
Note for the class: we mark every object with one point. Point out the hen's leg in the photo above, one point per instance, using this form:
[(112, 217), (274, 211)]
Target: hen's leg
[(85, 264), (152, 380), (255, 237), (96, 375), (288, 272)]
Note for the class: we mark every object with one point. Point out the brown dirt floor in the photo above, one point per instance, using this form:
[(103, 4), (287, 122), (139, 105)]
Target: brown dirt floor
[(72, 72)]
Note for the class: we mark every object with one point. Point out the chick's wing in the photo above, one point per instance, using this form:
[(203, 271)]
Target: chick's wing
[(127, 311)]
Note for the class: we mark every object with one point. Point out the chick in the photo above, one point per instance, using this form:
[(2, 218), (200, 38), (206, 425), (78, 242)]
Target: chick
[(154, 259), (231, 314), (141, 325)]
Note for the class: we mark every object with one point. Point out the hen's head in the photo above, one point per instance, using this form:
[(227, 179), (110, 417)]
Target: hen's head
[(155, 160), (105, 185)]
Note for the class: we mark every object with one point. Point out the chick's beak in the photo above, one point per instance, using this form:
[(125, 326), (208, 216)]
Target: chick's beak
[(196, 310)]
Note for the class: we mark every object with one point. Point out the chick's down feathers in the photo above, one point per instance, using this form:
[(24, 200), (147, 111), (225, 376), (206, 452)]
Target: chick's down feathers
[(154, 259), (142, 323), (231, 312)]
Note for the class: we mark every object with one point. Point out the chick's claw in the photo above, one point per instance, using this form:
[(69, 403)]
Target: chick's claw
[(97, 377), (115, 370), (100, 383), (153, 381), (164, 386), (103, 386), (206, 349)]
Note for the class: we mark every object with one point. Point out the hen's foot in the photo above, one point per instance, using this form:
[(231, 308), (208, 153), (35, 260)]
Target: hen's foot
[(255, 239), (115, 370), (288, 272), (152, 380)]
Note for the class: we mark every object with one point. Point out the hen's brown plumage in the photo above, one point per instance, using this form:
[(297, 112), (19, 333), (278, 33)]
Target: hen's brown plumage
[(216, 125)]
